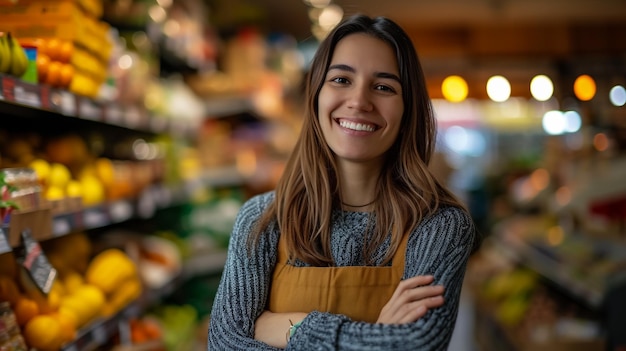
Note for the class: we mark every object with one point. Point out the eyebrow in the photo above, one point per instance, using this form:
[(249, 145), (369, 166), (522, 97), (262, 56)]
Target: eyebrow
[(347, 68)]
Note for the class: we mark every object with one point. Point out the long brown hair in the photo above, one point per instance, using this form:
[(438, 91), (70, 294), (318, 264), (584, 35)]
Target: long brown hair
[(309, 188)]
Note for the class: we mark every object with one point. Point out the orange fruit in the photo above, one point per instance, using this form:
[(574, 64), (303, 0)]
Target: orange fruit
[(43, 332), (54, 74), (53, 48), (67, 73), (25, 309), (67, 320), (65, 51), (43, 62)]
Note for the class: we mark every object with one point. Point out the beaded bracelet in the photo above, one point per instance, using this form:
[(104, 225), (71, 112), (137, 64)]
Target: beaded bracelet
[(291, 330)]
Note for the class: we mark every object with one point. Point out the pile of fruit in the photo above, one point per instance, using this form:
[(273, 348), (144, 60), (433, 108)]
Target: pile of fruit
[(86, 288), (72, 42)]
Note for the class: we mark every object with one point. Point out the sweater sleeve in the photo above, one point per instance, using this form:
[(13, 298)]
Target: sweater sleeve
[(441, 247), (244, 284)]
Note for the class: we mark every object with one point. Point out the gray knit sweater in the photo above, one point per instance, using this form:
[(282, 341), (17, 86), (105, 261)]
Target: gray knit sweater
[(439, 246)]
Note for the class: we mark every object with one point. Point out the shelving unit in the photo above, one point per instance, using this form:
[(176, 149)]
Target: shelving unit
[(577, 269), (39, 107)]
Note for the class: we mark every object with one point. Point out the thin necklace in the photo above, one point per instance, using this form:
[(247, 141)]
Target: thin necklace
[(357, 206)]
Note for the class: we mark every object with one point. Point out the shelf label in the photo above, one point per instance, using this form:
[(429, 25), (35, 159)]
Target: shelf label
[(146, 206), (94, 218), (60, 226), (113, 114), (99, 334), (120, 211), (51, 99), (4, 242), (132, 117), (88, 109), (32, 257), (67, 103), (26, 93)]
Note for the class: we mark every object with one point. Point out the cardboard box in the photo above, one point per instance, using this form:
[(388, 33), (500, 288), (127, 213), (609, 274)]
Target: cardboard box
[(38, 221)]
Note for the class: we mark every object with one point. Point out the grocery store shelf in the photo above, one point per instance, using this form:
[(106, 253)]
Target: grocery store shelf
[(582, 267), (228, 106), (102, 330), (152, 199), (41, 102)]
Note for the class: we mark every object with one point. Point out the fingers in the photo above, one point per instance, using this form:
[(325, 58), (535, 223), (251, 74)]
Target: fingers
[(411, 300), (415, 310)]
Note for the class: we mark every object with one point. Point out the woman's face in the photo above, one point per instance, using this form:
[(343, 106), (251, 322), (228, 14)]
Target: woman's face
[(360, 103)]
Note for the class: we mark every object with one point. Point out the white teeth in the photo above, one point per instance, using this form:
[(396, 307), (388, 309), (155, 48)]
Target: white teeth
[(357, 126)]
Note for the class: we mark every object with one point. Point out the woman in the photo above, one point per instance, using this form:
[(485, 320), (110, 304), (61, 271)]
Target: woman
[(359, 247)]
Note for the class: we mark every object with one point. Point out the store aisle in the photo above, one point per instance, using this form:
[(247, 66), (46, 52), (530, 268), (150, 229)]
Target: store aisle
[(463, 336)]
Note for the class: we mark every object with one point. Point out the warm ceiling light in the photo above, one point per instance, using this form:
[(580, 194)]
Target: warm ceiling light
[(330, 17), (454, 89), (541, 88), (584, 88), (498, 89)]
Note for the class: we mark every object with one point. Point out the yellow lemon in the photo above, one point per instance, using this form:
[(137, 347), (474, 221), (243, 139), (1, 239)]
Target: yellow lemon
[(59, 175), (73, 189), (92, 190), (54, 193), (105, 171), (72, 282), (41, 167)]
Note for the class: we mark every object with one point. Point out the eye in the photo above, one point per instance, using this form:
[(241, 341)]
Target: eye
[(340, 80), (385, 88)]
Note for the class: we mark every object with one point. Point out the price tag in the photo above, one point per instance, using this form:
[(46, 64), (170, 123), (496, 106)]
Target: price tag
[(132, 117), (88, 109), (120, 211), (61, 226), (27, 94), (67, 103), (95, 218), (32, 257), (146, 206), (51, 99), (99, 334), (113, 114), (4, 242)]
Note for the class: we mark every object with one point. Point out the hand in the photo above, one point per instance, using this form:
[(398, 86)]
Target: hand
[(411, 300), (271, 328)]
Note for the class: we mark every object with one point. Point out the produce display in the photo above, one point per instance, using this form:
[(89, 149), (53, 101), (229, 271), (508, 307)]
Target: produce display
[(89, 286), (71, 42)]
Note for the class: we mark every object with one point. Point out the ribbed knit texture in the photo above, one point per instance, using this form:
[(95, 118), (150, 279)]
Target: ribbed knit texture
[(439, 246)]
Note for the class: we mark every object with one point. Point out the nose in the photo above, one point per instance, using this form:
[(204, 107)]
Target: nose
[(359, 99)]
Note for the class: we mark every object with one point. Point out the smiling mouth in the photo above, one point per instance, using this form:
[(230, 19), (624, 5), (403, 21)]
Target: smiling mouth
[(360, 127)]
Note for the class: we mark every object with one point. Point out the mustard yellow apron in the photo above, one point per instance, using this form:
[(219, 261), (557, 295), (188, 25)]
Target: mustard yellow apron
[(357, 292)]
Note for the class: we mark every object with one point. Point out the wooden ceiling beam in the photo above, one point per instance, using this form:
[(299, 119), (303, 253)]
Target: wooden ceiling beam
[(520, 40)]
